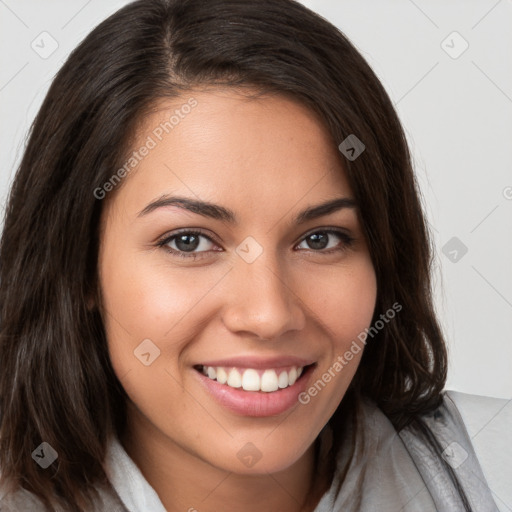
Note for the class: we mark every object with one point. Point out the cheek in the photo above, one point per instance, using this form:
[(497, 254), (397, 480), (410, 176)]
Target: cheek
[(150, 308), (146, 299), (343, 299), (343, 302), (146, 311)]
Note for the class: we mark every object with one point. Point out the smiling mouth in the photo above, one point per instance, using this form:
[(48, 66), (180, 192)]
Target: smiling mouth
[(249, 379)]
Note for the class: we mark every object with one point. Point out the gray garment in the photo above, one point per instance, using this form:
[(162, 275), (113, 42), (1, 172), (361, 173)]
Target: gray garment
[(401, 472), (389, 472), (24, 501)]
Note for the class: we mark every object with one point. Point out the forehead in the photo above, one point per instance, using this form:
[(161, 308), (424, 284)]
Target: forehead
[(223, 146)]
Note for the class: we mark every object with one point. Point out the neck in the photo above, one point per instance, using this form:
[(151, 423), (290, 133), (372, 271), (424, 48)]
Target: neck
[(185, 482)]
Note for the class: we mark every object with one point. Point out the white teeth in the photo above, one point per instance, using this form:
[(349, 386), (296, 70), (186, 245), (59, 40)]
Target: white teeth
[(283, 380), (250, 379), (269, 381), (234, 379), (222, 376)]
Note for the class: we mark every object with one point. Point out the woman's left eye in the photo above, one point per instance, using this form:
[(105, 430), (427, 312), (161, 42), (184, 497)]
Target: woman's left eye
[(327, 239), (193, 244)]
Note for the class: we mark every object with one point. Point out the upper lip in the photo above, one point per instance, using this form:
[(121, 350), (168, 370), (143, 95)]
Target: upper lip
[(259, 362)]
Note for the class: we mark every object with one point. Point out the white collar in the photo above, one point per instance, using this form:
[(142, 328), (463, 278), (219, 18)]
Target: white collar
[(131, 486)]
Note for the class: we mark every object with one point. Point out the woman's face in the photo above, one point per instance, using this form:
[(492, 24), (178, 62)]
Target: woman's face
[(247, 279)]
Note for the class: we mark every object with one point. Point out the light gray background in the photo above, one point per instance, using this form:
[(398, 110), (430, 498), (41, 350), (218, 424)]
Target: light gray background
[(456, 111)]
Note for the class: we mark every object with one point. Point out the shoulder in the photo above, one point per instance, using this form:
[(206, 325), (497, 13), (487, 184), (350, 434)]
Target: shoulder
[(23, 500), (488, 422)]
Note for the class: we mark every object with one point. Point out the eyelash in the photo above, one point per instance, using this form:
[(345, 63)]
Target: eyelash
[(346, 242)]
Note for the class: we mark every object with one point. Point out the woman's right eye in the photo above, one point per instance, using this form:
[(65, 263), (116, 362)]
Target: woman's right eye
[(187, 244)]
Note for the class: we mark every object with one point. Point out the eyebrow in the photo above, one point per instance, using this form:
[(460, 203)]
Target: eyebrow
[(226, 215)]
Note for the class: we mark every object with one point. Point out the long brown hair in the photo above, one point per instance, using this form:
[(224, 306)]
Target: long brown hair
[(56, 382)]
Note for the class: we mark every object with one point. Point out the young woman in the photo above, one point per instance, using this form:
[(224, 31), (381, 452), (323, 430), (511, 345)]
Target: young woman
[(215, 287)]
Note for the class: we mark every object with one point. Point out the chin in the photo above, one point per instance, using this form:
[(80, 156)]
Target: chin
[(261, 456)]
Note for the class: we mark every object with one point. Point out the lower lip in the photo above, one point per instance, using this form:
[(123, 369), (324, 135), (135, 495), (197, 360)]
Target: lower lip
[(256, 403)]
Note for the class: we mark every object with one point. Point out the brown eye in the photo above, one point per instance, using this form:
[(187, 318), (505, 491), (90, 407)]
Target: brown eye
[(326, 239), (187, 244)]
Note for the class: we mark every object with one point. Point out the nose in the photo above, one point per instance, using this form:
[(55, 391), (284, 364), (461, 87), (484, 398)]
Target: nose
[(262, 302)]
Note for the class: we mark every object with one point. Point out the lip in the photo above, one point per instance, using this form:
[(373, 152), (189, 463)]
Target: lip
[(255, 403), (258, 363)]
